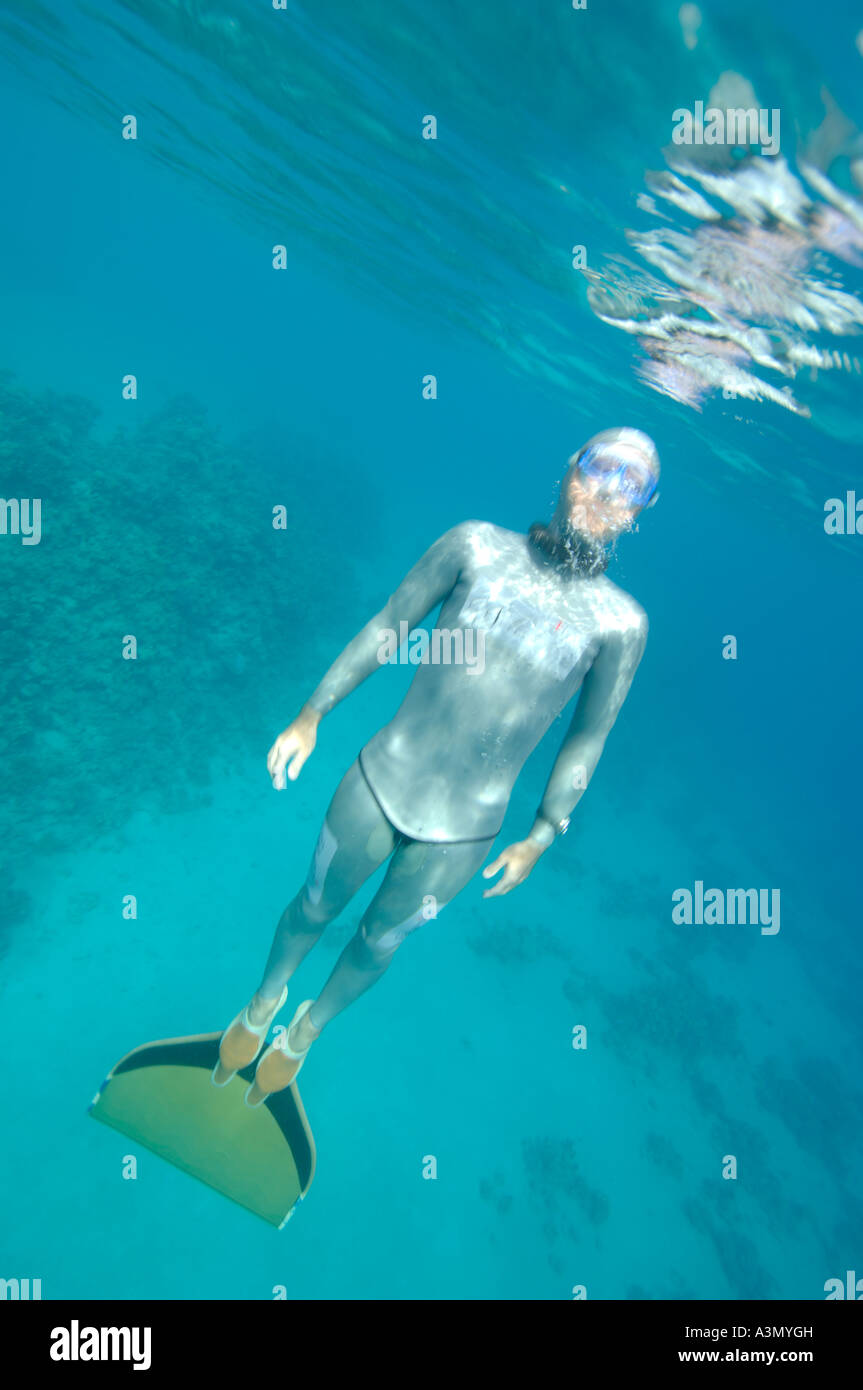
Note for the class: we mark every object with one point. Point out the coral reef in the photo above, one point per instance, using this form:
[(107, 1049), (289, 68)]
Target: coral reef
[(492, 1190), (671, 1015), (163, 531), (568, 1200), (660, 1150), (818, 1105), (17, 909), (737, 1255), (517, 945)]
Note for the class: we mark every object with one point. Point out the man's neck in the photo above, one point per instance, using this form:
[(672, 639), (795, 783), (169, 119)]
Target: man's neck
[(572, 551)]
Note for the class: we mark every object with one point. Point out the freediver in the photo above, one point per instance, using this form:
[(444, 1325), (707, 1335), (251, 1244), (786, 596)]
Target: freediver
[(431, 788)]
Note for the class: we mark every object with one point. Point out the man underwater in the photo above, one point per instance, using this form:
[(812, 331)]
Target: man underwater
[(431, 788)]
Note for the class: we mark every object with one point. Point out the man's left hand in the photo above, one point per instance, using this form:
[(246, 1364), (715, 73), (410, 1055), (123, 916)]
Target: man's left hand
[(518, 860)]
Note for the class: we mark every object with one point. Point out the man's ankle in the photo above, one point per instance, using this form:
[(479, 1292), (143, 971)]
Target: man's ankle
[(259, 1008), (303, 1034)]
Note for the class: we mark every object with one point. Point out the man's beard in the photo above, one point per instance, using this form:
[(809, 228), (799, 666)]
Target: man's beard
[(572, 549)]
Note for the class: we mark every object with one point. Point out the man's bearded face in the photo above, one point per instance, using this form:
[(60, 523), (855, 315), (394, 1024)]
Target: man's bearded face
[(588, 508)]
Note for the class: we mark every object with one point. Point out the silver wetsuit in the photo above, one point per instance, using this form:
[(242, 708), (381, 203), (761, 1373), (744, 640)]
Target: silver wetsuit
[(444, 768), (431, 788)]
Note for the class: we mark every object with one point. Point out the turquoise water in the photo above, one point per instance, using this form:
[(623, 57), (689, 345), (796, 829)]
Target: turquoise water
[(302, 387)]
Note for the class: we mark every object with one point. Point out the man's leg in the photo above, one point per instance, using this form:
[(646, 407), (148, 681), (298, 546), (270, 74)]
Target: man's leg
[(355, 839), (420, 880)]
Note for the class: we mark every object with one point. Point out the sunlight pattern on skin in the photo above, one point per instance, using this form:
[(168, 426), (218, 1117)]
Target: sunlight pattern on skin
[(607, 607)]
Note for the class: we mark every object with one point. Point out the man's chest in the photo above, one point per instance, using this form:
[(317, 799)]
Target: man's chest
[(533, 623)]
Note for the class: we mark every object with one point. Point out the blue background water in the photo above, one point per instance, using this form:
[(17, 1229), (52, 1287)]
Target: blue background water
[(556, 1167)]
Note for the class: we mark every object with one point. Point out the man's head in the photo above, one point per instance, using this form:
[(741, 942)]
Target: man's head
[(611, 479)]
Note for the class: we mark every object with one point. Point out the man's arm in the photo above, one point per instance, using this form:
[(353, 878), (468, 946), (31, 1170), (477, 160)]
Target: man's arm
[(604, 690), (429, 581)]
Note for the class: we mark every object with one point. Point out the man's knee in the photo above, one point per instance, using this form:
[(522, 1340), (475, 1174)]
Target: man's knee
[(375, 948), (383, 941), (306, 914)]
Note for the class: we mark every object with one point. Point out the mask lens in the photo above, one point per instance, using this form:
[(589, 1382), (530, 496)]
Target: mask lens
[(635, 482), (599, 463)]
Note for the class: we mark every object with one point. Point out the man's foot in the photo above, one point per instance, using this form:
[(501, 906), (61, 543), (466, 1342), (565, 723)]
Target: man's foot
[(277, 1068), (243, 1040)]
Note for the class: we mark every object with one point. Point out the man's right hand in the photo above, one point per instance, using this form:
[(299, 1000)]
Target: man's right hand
[(295, 745)]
